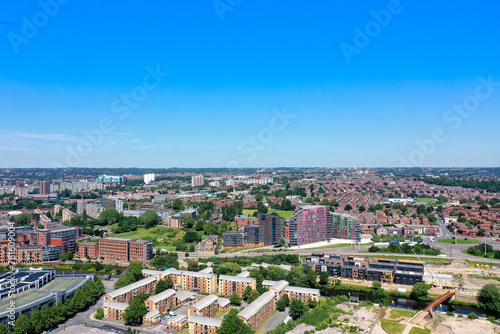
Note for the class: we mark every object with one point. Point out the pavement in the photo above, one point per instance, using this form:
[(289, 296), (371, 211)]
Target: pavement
[(275, 320)]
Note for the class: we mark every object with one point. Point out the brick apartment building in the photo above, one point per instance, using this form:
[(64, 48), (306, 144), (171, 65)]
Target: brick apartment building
[(229, 284), (129, 292), (259, 310), (162, 302), (125, 250), (88, 250), (206, 307), (114, 310), (203, 325)]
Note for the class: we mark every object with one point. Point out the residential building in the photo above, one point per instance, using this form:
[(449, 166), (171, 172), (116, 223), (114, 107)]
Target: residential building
[(141, 251), (113, 249), (310, 224), (128, 293), (206, 307), (271, 229), (203, 325), (44, 188), (197, 281), (114, 310), (162, 302), (88, 250), (259, 310), (233, 240), (345, 227), (207, 245), (113, 202), (197, 181), (302, 294), (177, 323), (152, 318), (252, 236), (94, 210), (67, 215), (229, 284), (148, 178)]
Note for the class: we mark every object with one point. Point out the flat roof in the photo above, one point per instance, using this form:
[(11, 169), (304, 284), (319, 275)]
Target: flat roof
[(128, 288), (116, 239), (252, 309), (211, 322)]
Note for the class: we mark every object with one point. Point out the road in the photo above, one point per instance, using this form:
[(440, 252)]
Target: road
[(276, 319)]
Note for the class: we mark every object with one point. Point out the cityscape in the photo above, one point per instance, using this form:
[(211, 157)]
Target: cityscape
[(237, 167)]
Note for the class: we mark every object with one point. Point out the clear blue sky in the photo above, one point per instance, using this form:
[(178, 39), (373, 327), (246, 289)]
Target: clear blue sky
[(227, 77)]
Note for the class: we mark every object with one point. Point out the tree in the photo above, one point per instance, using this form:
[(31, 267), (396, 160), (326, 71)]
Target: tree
[(178, 205), (149, 219), (109, 217), (23, 325), (381, 297), (489, 297), (163, 284), (362, 208), (323, 278), (481, 232), (283, 303), (4, 329), (37, 320), (232, 324), (136, 310), (99, 314), (261, 207), (22, 219), (253, 295), (165, 260), (200, 226), (136, 269), (376, 285), (124, 280), (373, 249), (420, 291), (98, 266), (235, 299), (297, 309), (247, 292), (348, 207), (187, 220), (192, 265), (66, 257), (211, 228), (191, 237)]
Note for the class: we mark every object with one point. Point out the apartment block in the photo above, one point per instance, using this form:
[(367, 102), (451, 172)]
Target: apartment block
[(203, 325), (302, 294), (345, 227), (113, 249), (112, 202), (233, 240), (88, 250), (259, 310), (276, 287), (198, 282), (114, 310), (177, 323), (141, 251), (129, 292), (206, 307), (44, 187), (229, 284), (197, 181), (67, 215), (152, 318), (310, 224), (162, 302), (271, 228), (94, 210)]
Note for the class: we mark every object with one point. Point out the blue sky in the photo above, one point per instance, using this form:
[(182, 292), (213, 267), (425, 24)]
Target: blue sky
[(227, 79)]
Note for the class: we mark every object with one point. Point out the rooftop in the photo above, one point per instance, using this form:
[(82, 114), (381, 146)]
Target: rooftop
[(205, 302), (115, 305), (252, 309), (210, 322), (128, 288)]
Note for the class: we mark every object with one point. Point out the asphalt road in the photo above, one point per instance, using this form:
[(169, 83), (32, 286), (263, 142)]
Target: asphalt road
[(277, 319)]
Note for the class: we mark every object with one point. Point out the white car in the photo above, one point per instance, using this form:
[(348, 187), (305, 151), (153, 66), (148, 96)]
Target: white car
[(172, 313)]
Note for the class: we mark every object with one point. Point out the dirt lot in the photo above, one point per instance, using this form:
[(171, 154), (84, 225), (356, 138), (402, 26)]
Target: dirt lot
[(463, 326)]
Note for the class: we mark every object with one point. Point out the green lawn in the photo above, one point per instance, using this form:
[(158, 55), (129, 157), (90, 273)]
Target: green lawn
[(284, 214), (427, 199), (395, 314), (459, 241), (416, 330), (392, 327), (158, 232)]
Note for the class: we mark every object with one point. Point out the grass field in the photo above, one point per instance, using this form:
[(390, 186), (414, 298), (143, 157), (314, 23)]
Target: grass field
[(392, 327), (427, 200), (158, 232), (416, 330), (284, 214), (395, 314), (459, 241)]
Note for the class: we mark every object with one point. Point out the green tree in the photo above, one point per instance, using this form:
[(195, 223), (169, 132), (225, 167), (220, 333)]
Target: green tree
[(376, 285), (381, 297), (164, 284), (149, 219), (362, 208), (192, 265), (247, 292), (22, 219), (109, 217), (125, 280), (211, 228), (235, 299), (261, 207), (136, 310), (165, 260), (324, 278), (23, 325), (178, 205), (136, 269), (98, 266), (420, 291), (253, 295), (232, 324), (99, 314), (481, 232), (489, 297), (4, 329), (66, 257), (200, 226), (191, 237), (348, 207), (283, 303), (297, 309)]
